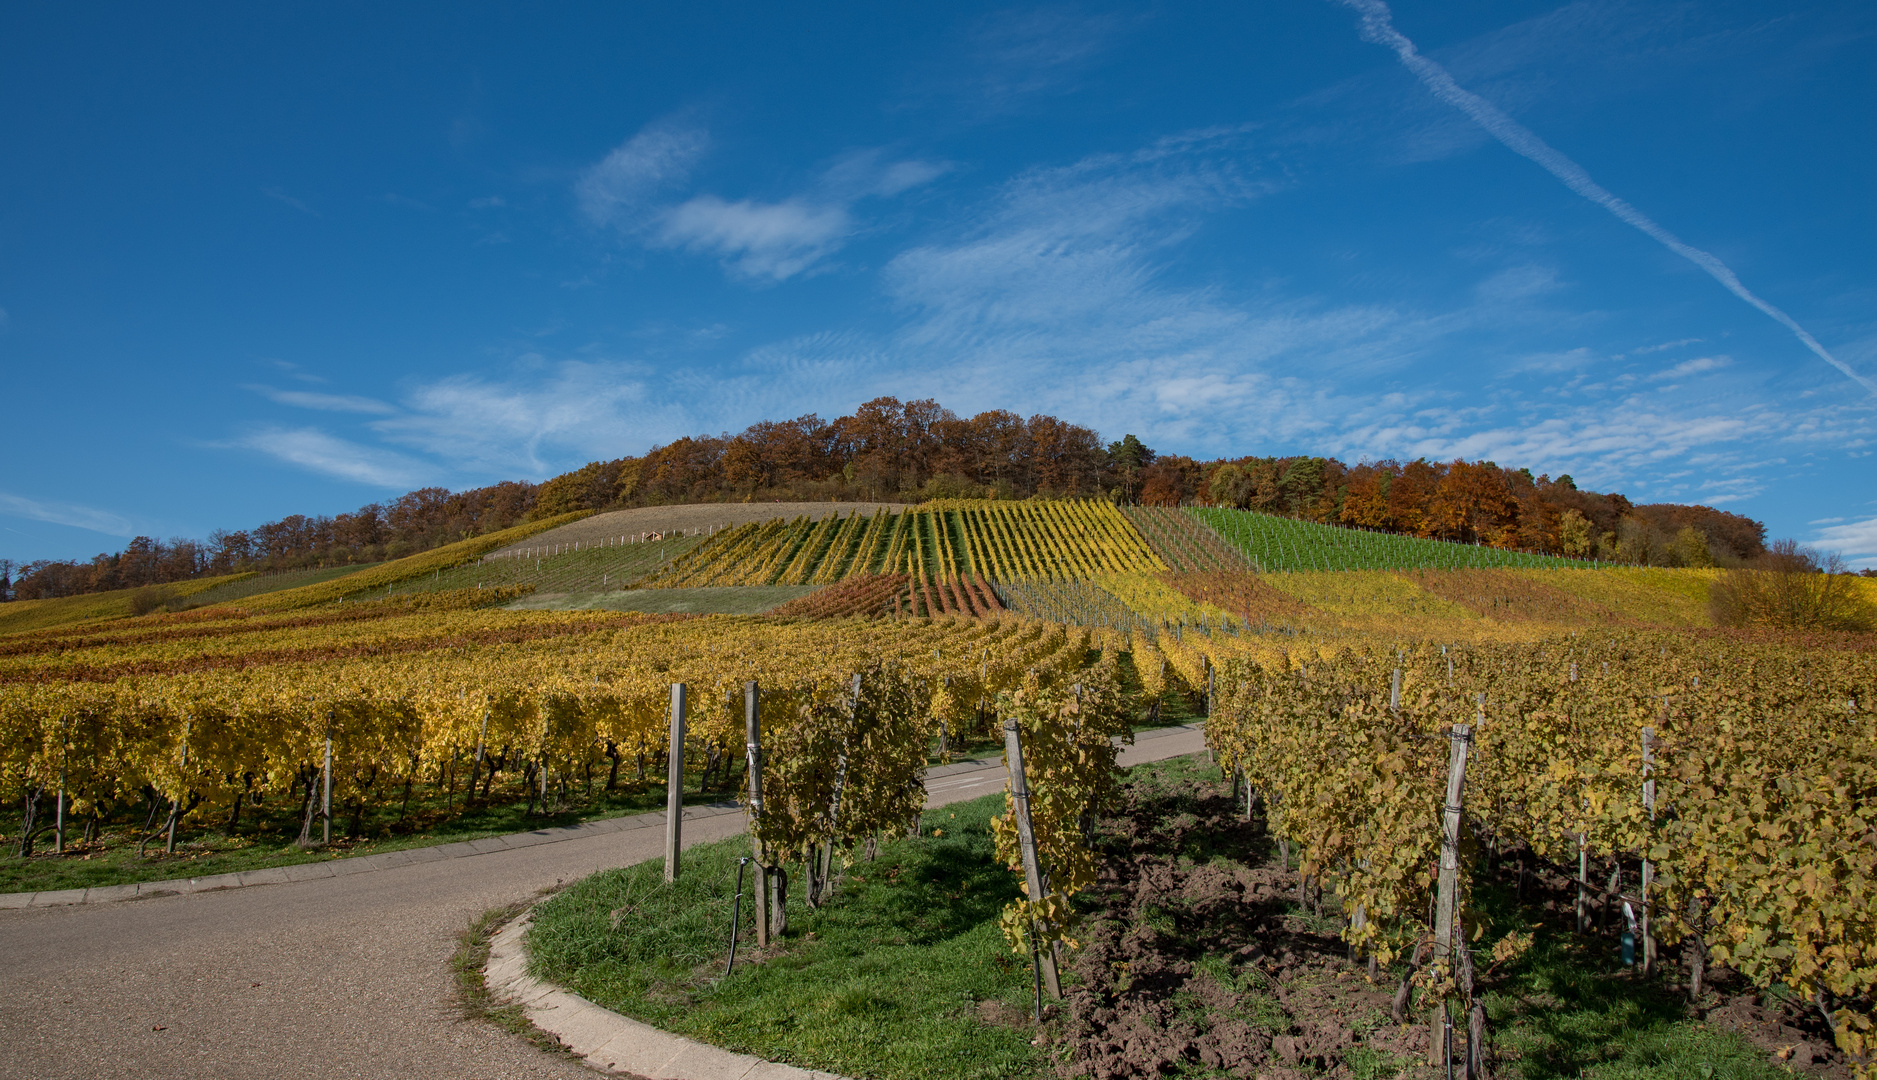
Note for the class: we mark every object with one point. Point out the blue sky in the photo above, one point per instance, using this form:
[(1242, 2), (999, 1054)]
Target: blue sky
[(266, 259)]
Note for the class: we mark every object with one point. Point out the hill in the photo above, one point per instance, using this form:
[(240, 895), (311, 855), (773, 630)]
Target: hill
[(906, 452)]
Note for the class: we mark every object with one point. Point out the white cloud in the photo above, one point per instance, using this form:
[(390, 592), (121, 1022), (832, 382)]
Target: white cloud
[(1017, 54), (618, 189), (1691, 367), (1517, 283), (1644, 349), (773, 241), (865, 173), (1856, 541), (537, 421), (313, 449), (487, 202), (59, 513), (305, 399)]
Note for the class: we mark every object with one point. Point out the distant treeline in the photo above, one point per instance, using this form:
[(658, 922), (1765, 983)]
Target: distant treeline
[(909, 451)]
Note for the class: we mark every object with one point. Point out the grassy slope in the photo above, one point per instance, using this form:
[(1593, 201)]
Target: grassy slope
[(385, 575), (329, 585), (23, 615), (589, 570), (256, 584), (888, 981)]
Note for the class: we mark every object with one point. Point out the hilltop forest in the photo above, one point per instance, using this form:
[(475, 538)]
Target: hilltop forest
[(911, 451)]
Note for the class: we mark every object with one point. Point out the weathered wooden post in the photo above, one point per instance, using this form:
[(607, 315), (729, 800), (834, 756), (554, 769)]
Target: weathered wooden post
[(475, 771), (753, 751), (325, 801), (58, 818), (1026, 839), (674, 784), (1448, 894), (1648, 868)]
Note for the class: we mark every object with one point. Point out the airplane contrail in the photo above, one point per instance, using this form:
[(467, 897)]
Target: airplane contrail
[(1378, 27)]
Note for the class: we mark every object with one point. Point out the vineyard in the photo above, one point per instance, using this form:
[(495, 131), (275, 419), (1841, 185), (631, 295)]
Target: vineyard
[(1721, 797), (1274, 544), (996, 541), (1395, 726)]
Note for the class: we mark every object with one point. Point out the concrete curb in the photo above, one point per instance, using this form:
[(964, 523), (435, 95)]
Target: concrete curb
[(364, 864), (608, 1041)]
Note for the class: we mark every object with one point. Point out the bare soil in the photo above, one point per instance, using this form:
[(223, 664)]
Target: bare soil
[(1198, 960), (674, 519)]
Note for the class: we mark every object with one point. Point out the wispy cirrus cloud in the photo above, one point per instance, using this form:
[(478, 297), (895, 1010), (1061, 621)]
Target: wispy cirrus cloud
[(1009, 57), (316, 451), (772, 241), (761, 240), (305, 399), (537, 418), (280, 195), (618, 190), (1378, 27), (64, 513)]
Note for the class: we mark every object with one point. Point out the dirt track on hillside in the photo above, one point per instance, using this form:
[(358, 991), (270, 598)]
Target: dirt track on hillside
[(644, 519)]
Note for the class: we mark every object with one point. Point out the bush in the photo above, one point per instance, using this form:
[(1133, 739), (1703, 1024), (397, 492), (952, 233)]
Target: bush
[(151, 598), (1791, 588)]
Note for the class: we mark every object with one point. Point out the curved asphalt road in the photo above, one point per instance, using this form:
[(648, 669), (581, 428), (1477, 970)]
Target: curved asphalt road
[(332, 978)]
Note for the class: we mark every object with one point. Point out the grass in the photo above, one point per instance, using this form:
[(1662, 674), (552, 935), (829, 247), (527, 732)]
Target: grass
[(1569, 1008), (1279, 543), (473, 999), (904, 974), (588, 570), (257, 584), (375, 582), (267, 838), (717, 600), (20, 616)]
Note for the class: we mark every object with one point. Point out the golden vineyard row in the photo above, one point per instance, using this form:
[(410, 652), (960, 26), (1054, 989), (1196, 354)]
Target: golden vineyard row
[(1763, 761)]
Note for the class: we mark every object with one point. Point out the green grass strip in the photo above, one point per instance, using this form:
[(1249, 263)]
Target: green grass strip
[(889, 980)]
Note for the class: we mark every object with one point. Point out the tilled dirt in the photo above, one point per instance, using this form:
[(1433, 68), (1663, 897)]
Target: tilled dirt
[(1192, 965), (1196, 962)]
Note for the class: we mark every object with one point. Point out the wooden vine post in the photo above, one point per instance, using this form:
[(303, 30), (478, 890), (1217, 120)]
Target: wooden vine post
[(1648, 868), (1447, 899), (325, 800), (475, 771), (674, 784), (753, 749), (1026, 839), (65, 747)]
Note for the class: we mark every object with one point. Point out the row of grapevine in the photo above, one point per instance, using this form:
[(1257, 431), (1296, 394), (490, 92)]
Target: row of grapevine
[(1003, 541), (1276, 544), (1762, 761), (1183, 541)]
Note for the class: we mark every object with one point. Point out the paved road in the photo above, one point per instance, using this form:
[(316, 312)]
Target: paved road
[(334, 978)]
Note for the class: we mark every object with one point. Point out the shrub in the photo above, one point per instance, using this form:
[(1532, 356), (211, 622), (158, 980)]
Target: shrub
[(1791, 588)]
